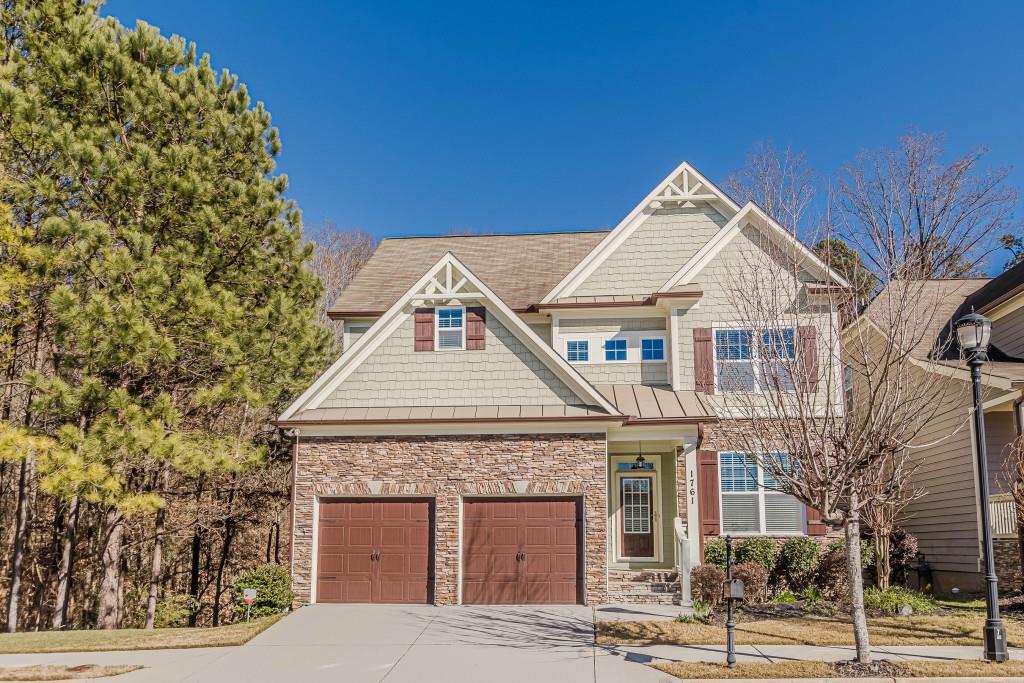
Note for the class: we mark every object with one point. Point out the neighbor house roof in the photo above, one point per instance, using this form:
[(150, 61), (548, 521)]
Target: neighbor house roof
[(520, 269), (998, 289)]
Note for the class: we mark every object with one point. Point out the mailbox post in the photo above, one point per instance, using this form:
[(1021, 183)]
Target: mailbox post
[(733, 590)]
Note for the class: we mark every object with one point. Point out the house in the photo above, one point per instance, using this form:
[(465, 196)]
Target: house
[(541, 418), (947, 518)]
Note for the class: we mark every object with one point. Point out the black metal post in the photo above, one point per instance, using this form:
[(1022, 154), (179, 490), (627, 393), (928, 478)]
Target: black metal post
[(730, 625), (995, 631)]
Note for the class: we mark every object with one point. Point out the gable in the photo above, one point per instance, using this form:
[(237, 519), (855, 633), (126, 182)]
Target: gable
[(504, 373), (659, 247)]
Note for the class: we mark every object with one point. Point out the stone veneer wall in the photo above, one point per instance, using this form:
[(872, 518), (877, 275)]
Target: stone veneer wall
[(446, 468), (1007, 557)]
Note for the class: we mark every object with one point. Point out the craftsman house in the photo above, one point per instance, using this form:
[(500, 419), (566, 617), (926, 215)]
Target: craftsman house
[(538, 418)]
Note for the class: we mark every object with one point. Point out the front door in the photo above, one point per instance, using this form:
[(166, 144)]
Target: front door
[(637, 525)]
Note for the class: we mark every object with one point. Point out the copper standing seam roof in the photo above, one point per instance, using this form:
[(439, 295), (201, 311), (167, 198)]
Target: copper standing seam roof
[(521, 269), (644, 403)]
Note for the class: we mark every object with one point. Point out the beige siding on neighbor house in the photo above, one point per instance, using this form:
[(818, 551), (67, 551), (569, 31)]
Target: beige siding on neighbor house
[(1000, 431), (624, 373), (542, 330), (1008, 333), (505, 373), (718, 306), (945, 519), (659, 247)]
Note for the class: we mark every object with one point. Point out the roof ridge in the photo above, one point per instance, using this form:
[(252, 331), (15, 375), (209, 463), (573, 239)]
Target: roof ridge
[(500, 234)]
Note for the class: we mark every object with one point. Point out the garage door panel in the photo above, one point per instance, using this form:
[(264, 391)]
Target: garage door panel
[(504, 536), (539, 535), (393, 536), (359, 536)]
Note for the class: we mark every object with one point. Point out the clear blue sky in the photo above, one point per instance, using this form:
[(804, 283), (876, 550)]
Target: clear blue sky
[(408, 118)]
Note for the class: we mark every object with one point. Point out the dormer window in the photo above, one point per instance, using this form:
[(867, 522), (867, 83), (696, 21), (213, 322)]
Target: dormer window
[(615, 350), (450, 333)]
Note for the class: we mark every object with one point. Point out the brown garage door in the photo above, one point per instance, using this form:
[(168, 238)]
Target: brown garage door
[(521, 551), (374, 551)]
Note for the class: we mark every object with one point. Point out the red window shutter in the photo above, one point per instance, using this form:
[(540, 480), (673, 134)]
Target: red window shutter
[(703, 360), (424, 329), (707, 494), (815, 524), (808, 360), (476, 328)]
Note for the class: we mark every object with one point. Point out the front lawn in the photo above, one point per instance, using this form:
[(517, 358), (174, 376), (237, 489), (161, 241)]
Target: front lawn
[(960, 668), (935, 629), (132, 638), (59, 672)]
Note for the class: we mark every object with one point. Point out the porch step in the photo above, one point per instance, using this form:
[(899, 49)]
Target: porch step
[(643, 587)]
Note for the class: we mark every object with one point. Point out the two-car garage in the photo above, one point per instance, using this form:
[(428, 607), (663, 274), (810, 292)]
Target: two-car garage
[(513, 550)]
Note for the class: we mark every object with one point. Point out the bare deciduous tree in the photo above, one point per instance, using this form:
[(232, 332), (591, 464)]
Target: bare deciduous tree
[(780, 181), (337, 258)]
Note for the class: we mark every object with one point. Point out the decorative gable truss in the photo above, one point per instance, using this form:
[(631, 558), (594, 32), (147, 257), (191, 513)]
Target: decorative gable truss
[(685, 187), (447, 283)]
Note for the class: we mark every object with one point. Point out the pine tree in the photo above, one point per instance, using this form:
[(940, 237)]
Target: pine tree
[(181, 317)]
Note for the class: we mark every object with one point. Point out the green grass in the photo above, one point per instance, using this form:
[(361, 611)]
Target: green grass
[(133, 638), (965, 601)]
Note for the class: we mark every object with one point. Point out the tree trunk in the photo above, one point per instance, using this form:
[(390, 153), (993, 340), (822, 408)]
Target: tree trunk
[(18, 547), (193, 583), (883, 568), (155, 569), (229, 534), (109, 593), (856, 586), (67, 559)]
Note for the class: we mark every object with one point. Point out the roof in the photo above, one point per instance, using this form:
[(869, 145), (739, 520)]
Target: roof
[(521, 269), (998, 289), (446, 414), (660, 403)]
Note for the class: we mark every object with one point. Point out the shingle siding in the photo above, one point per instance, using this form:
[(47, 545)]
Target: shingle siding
[(654, 252), (1008, 333), (624, 373), (567, 325), (506, 372)]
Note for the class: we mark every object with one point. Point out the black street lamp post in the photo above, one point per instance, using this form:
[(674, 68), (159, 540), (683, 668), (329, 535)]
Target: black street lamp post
[(973, 331)]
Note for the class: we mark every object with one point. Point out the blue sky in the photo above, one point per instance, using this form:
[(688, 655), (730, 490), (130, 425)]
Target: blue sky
[(406, 118)]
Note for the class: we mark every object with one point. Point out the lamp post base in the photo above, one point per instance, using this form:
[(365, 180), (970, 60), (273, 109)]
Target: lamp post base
[(995, 641)]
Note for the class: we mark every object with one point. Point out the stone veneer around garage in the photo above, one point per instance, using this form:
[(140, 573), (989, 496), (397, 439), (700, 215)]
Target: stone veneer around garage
[(446, 468)]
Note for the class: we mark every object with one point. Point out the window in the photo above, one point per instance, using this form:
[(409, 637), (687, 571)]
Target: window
[(577, 351), (848, 386), (751, 501), (745, 362), (652, 349), (451, 328), (615, 349)]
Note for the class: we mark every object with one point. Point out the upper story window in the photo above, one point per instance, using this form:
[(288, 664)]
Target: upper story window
[(577, 351), (451, 328), (751, 500), (747, 361), (848, 386), (652, 349), (615, 350)]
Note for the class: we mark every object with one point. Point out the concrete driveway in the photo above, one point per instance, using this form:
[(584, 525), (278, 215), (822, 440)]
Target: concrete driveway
[(397, 644)]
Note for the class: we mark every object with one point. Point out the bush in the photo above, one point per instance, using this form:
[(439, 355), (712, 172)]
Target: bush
[(757, 549), (755, 580), (173, 611), (867, 550), (784, 598), (701, 614), (273, 589), (831, 575), (811, 596), (706, 584), (902, 554), (798, 561), (714, 551), (892, 599)]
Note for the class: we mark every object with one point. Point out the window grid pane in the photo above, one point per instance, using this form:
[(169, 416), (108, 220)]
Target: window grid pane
[(449, 318), (750, 508), (738, 473), (615, 349), (577, 351), (636, 506), (652, 349)]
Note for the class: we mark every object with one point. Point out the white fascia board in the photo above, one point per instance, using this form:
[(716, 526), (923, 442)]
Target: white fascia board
[(730, 230), (427, 429), (396, 315), (626, 227)]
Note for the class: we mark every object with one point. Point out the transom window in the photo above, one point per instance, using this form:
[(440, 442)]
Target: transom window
[(577, 350), (615, 350), (751, 500), (747, 362), (652, 349), (451, 328)]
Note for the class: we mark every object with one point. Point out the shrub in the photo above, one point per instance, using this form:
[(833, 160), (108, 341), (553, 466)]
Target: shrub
[(714, 551), (867, 550), (798, 561), (891, 599), (831, 575), (757, 549), (173, 611), (755, 580), (701, 614), (706, 584), (902, 554), (811, 596), (784, 598), (273, 589)]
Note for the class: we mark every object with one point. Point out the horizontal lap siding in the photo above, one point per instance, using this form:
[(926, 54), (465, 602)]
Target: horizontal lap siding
[(1008, 333)]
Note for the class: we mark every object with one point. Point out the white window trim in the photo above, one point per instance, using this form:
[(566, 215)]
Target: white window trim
[(760, 491), (437, 327), (604, 350), (578, 340), (755, 359), (664, 349)]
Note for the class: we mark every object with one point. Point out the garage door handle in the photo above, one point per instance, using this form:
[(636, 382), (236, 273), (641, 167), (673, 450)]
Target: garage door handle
[(375, 556)]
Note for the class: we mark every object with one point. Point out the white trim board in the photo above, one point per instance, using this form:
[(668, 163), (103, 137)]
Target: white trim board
[(632, 221), (425, 289), (753, 215)]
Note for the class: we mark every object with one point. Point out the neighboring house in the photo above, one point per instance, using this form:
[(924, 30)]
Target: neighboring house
[(946, 519), (538, 418)]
